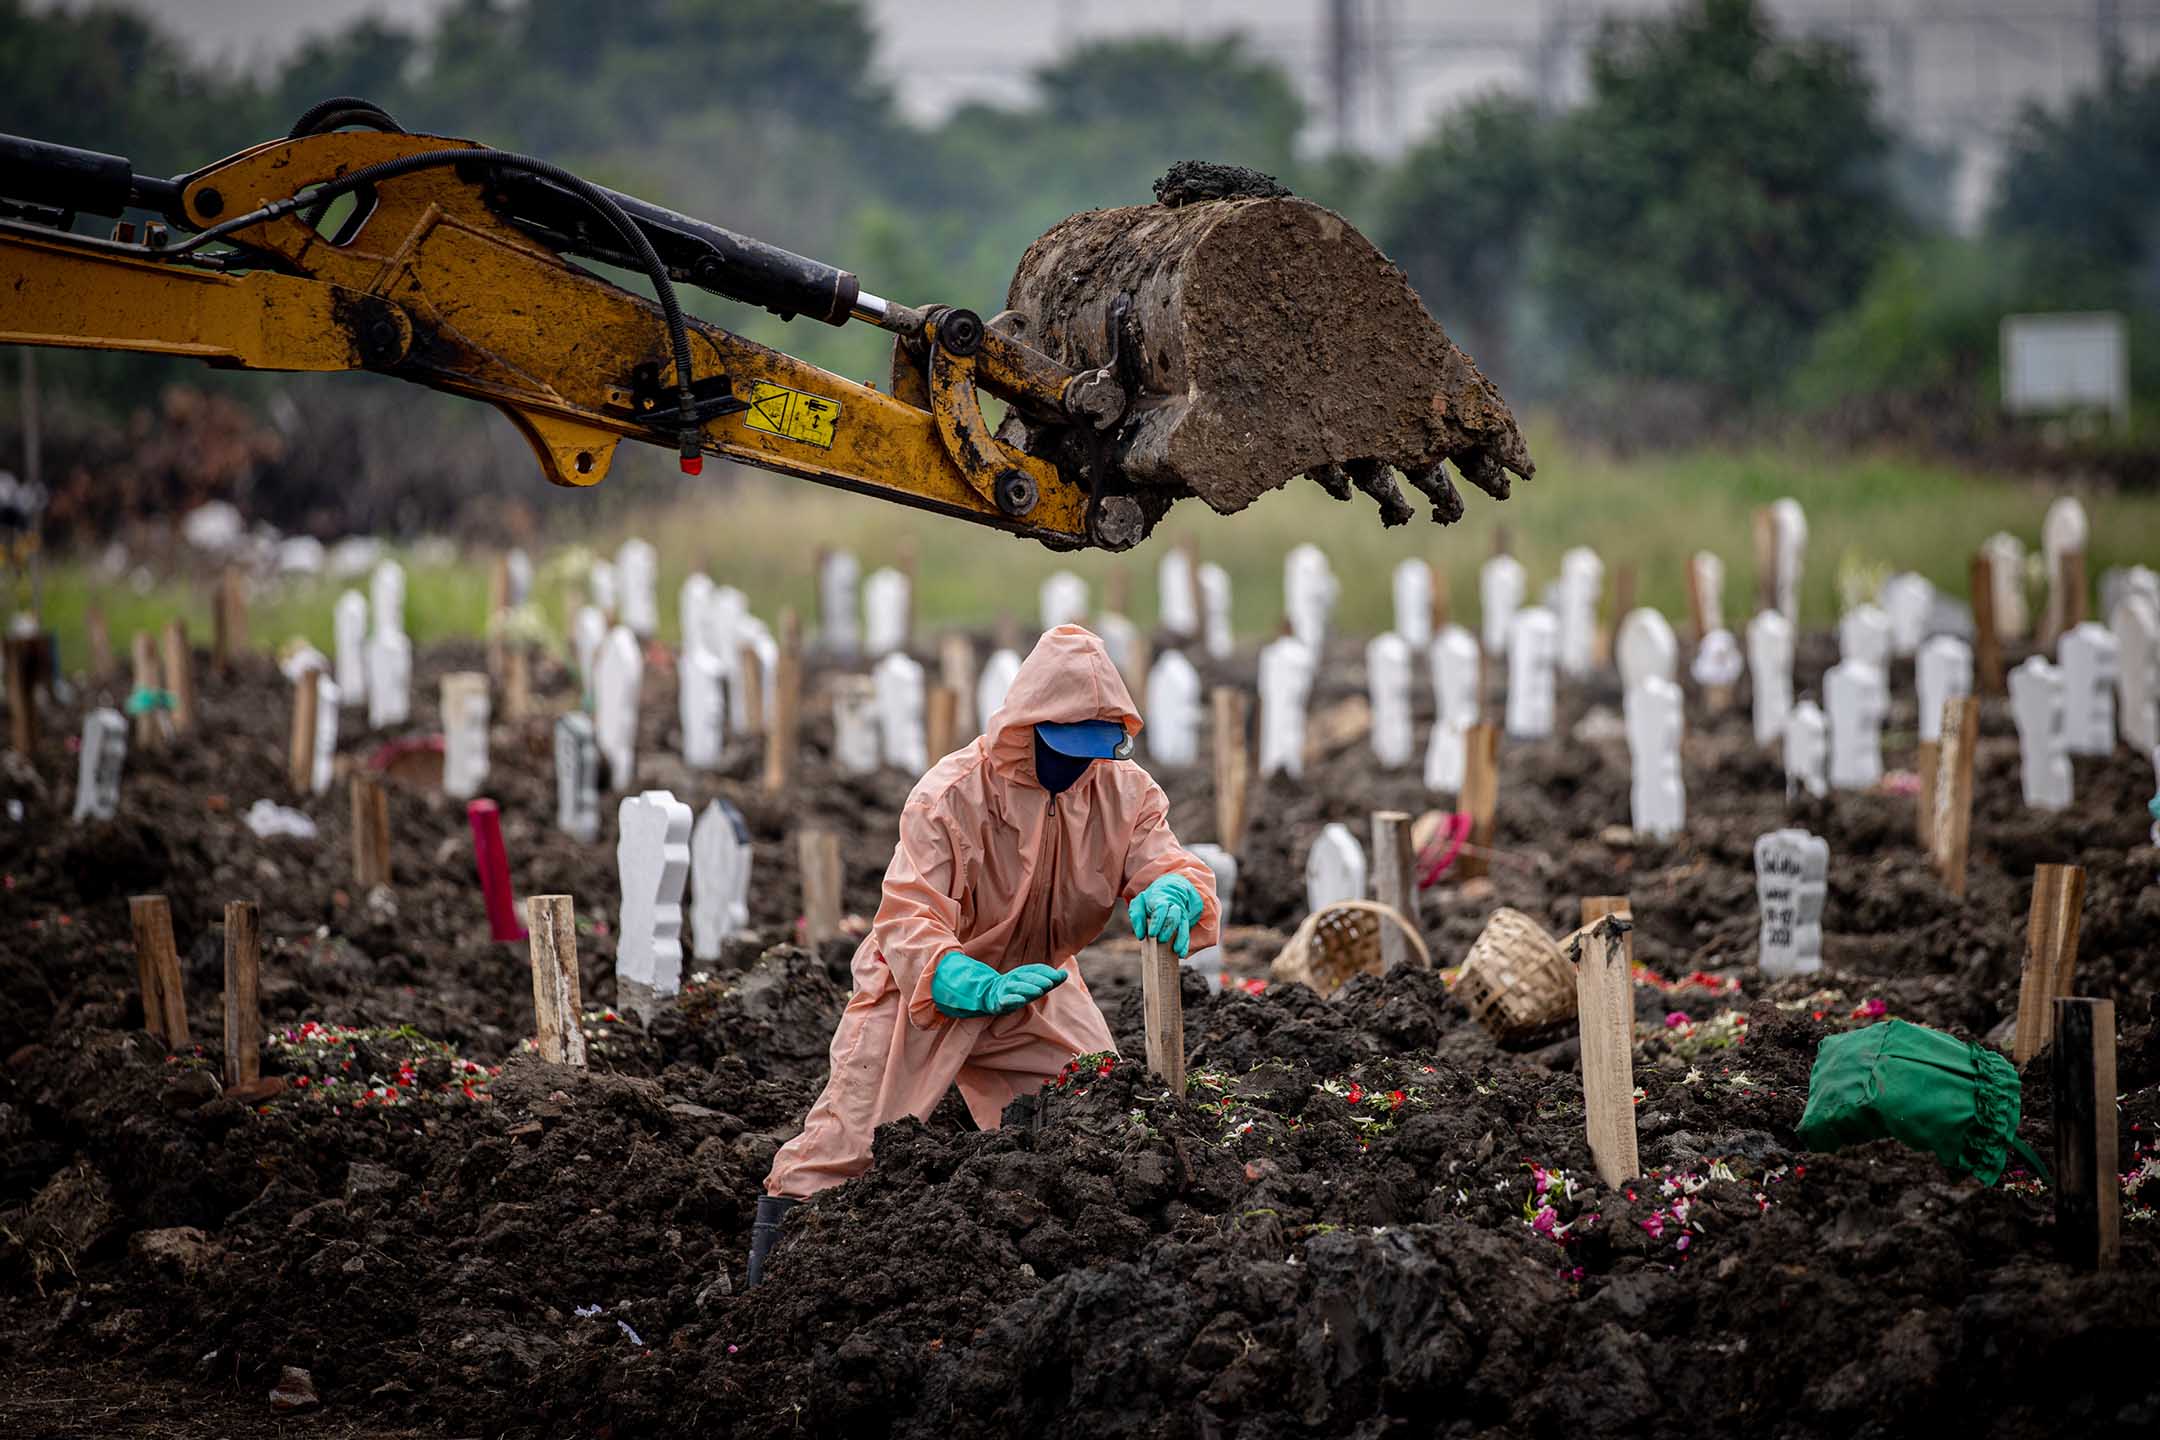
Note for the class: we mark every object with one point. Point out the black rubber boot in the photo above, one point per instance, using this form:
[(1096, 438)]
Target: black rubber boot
[(771, 1210)]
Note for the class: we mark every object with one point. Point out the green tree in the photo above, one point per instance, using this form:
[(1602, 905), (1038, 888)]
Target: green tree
[(1721, 194), (2085, 182)]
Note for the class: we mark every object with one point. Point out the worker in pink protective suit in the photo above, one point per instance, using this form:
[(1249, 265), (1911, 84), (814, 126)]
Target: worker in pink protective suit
[(1013, 853)]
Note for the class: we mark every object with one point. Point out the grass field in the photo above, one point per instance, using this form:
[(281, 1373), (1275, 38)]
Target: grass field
[(759, 532)]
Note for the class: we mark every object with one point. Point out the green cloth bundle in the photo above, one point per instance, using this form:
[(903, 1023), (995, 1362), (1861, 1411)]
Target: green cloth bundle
[(1934, 1092)]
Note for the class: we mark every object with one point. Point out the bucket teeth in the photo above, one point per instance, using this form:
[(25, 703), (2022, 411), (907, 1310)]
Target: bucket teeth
[(1434, 484), (1372, 477), (1483, 469), (1331, 478)]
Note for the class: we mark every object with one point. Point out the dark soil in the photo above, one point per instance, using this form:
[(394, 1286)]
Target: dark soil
[(1364, 1217)]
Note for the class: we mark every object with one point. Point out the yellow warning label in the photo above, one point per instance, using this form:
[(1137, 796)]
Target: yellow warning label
[(791, 414)]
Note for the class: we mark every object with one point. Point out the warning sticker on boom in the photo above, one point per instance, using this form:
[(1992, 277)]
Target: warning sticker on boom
[(791, 414)]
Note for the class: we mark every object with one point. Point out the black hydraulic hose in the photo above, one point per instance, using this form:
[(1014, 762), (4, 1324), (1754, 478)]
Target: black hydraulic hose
[(689, 434), (341, 110)]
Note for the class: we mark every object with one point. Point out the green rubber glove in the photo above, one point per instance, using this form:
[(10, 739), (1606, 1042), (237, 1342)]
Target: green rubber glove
[(1167, 910), (966, 989)]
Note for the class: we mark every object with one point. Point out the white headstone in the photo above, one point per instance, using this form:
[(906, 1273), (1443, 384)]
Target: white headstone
[(2136, 622), (1807, 750), (764, 651), (389, 682), (1856, 696), (1533, 642), (2006, 582), (1908, 600), (1286, 677), (1209, 960), (637, 571), (701, 708), (1177, 601), (1334, 868), (1388, 681), (838, 635), (1788, 529), (1770, 663), (324, 769), (577, 777), (901, 698), (719, 878), (1709, 576), (2063, 531), (1645, 648), (386, 597), (588, 631), (887, 612), (2124, 580), (995, 680), (1792, 870), (1214, 585), (1121, 640), (1064, 600), (1943, 672), (2091, 664), (2036, 704), (97, 768), (1501, 585), (691, 599), (728, 628), (618, 681), (1653, 712), (1864, 635), (1173, 712), (1413, 603), (606, 589), (465, 733), (1309, 591), (1717, 660), (519, 567), (1455, 666), (652, 857), (1582, 582), (349, 623), (857, 739)]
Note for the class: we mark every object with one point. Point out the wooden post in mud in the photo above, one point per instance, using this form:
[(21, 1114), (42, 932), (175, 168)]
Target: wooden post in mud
[(2051, 946), (1927, 763), (551, 929), (1953, 790), (818, 854), (1394, 881), (1164, 1007), (787, 706), (97, 642), (498, 617), (2069, 581), (1233, 767), (517, 682), (750, 675), (1605, 1007), (1698, 604), (149, 722), (370, 832), (180, 676), (1597, 907), (157, 969), (2088, 1193), (1480, 796), (22, 661), (228, 620), (243, 994), (941, 725), (300, 754), (1987, 642)]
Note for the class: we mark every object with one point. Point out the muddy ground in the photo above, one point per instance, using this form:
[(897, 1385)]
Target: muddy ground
[(1363, 1218)]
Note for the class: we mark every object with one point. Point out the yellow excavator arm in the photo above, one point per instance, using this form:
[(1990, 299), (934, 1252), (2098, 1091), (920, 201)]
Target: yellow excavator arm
[(445, 263)]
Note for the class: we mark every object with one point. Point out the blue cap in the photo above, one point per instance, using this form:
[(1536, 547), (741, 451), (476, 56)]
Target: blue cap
[(1087, 739)]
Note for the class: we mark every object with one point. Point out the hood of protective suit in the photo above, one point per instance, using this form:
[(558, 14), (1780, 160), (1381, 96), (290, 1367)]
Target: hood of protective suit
[(1067, 676)]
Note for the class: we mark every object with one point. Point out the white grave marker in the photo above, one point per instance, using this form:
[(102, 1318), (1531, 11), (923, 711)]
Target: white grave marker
[(1214, 583), (606, 592), (1533, 642), (1770, 663), (1943, 672), (1286, 676), (1388, 680), (1309, 591), (995, 680), (2006, 582), (577, 777), (618, 680), (1121, 640), (1334, 868), (2036, 703), (386, 597), (1856, 696), (1908, 601), (1209, 961), (1582, 581), (389, 682), (690, 601), (901, 698), (701, 707), (465, 733), (652, 857), (1173, 712), (1645, 648), (1455, 666), (1501, 585), (324, 770), (97, 769), (637, 571), (1807, 750), (2136, 622), (837, 635), (1864, 635), (588, 632), (1792, 870), (349, 624), (519, 567), (1177, 601), (1413, 603), (2062, 532), (1064, 600), (1653, 717), (719, 878), (887, 611), (1717, 664), (857, 740), (2091, 663)]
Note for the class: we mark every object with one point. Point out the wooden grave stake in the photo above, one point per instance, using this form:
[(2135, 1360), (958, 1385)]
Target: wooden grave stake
[(2051, 946), (243, 994), (1952, 827), (179, 676), (157, 970), (1698, 608), (1394, 881), (750, 675), (1605, 1006), (558, 1009), (1480, 796), (818, 853), (22, 668), (1233, 766), (1987, 641), (98, 641), (1441, 609), (1765, 537), (498, 615), (228, 620), (956, 669), (517, 682), (780, 740), (149, 725), (1163, 1004), (2088, 1193), (941, 724), (300, 759), (371, 832), (1597, 907), (2070, 588)]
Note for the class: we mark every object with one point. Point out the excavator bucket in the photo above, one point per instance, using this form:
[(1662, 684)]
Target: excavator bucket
[(1260, 336)]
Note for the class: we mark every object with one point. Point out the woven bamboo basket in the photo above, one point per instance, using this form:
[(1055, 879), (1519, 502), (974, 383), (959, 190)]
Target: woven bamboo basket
[(1341, 941), (1517, 983)]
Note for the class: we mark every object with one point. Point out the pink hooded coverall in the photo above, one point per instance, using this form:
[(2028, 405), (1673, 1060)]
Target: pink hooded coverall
[(991, 864)]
